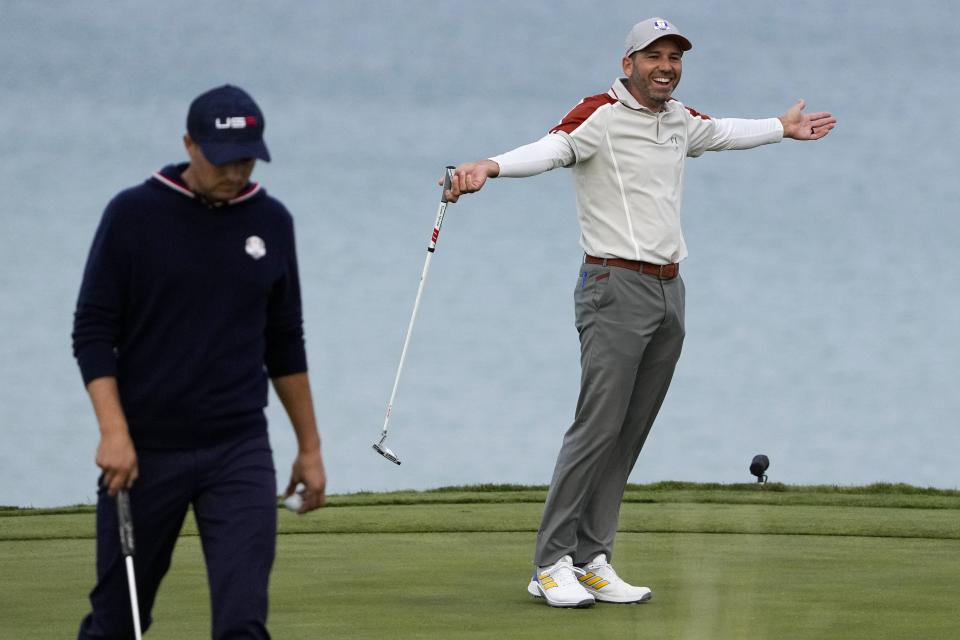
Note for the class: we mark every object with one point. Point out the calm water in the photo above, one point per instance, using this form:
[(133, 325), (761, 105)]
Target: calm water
[(823, 311)]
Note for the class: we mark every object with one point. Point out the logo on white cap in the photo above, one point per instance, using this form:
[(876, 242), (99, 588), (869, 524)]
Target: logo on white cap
[(256, 248), (661, 25)]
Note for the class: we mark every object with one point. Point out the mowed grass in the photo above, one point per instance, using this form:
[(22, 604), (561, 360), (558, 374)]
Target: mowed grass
[(724, 562)]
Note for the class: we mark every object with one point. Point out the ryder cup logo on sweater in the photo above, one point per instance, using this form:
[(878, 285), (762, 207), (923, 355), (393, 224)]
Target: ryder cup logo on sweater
[(255, 247), (661, 25)]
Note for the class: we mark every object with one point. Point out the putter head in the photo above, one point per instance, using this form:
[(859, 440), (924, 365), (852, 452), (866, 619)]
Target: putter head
[(385, 452)]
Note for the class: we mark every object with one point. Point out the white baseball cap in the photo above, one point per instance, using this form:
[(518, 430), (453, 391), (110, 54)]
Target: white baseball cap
[(644, 33)]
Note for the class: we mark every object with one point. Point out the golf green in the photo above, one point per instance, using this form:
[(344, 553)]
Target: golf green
[(722, 564)]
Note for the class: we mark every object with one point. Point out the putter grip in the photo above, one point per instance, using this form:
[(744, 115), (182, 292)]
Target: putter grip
[(447, 179), (125, 519)]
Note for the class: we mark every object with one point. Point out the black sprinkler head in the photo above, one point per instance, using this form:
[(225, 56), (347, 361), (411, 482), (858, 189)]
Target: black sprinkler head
[(758, 467)]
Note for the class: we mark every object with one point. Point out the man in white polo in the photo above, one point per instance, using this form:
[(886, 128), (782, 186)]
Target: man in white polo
[(627, 148)]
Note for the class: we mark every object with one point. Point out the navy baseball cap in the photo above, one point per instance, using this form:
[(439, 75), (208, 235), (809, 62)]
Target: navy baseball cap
[(228, 125)]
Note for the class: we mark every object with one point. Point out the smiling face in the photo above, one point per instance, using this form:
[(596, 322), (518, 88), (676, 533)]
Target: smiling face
[(216, 183), (653, 73)]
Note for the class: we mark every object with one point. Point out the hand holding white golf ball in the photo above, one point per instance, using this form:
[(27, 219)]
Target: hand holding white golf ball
[(294, 501)]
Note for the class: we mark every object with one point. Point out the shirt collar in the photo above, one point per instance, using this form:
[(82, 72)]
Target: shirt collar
[(620, 92), (170, 176)]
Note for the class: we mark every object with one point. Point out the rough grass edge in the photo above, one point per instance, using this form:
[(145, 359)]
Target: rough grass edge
[(487, 492)]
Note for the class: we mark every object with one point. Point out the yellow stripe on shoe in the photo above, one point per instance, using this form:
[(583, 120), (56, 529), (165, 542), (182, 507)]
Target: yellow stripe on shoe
[(590, 579), (546, 581)]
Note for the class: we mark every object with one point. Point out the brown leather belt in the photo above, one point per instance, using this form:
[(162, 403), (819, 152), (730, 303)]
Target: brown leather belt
[(662, 271)]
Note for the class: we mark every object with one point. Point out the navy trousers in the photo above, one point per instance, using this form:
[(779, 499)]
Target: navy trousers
[(232, 487)]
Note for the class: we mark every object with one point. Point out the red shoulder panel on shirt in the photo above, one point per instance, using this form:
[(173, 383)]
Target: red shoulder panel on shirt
[(582, 111), (696, 114)]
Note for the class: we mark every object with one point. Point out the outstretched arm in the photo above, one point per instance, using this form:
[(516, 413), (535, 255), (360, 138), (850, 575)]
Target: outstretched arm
[(470, 178), (549, 152), (806, 126)]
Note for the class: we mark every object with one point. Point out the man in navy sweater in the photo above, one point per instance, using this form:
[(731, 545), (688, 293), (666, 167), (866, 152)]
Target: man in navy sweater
[(190, 301)]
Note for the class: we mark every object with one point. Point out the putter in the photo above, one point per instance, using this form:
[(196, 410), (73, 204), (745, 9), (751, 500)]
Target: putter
[(431, 247), (126, 545)]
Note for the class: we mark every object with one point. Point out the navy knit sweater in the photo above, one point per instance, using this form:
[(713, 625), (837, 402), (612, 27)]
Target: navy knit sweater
[(191, 307)]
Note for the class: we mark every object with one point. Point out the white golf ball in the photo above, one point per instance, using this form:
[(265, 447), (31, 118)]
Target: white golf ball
[(293, 502)]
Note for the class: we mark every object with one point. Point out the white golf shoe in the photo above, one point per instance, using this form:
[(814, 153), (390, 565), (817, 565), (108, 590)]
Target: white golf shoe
[(558, 585), (605, 585)]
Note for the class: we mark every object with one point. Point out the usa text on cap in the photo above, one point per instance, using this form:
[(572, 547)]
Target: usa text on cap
[(228, 125)]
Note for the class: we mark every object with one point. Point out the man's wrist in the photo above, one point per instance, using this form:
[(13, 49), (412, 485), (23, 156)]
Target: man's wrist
[(309, 445), (786, 129), (493, 168)]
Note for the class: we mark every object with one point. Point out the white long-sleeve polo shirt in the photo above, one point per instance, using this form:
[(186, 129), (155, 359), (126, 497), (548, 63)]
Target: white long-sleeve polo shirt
[(628, 167)]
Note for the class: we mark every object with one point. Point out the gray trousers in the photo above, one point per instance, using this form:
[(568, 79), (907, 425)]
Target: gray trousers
[(631, 333)]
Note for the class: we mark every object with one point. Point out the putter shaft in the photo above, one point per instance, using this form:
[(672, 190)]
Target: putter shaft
[(127, 547), (431, 247)]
